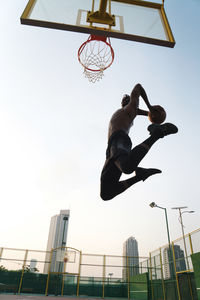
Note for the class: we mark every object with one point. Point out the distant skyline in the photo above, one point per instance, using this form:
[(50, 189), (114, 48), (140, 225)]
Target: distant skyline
[(53, 133), (130, 250), (180, 261), (57, 238)]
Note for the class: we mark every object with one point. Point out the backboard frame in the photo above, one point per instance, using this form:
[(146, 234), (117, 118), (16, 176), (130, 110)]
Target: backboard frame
[(169, 42)]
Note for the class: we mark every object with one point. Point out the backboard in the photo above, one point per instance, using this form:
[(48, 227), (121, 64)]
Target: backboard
[(134, 20)]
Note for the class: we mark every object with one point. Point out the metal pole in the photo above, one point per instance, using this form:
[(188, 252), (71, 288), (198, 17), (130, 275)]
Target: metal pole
[(48, 276), (191, 246), (183, 234), (79, 274), (163, 283), (153, 204), (167, 226), (176, 275), (171, 262), (104, 275), (128, 269), (170, 250), (182, 228), (102, 6), (23, 269), (151, 277), (1, 252)]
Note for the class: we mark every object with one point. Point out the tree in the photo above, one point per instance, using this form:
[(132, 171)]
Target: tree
[(2, 268)]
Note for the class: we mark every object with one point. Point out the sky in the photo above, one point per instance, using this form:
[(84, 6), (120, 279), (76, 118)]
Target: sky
[(53, 133)]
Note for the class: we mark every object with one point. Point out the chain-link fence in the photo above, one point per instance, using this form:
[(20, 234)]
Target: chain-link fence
[(167, 274), (172, 272)]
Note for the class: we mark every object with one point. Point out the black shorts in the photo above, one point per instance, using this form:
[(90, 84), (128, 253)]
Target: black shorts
[(119, 143)]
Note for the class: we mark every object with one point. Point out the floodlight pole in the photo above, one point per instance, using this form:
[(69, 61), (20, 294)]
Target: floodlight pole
[(153, 204), (182, 228), (167, 225)]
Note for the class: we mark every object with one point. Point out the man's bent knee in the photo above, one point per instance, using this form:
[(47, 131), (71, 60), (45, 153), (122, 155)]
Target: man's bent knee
[(128, 170), (125, 168), (106, 192), (106, 196)]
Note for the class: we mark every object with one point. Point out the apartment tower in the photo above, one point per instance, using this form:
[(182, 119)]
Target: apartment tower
[(57, 238), (130, 258)]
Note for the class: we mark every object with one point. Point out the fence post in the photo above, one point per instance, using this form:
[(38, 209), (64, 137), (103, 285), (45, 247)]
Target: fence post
[(64, 273), (24, 263), (79, 274), (48, 276), (128, 275), (154, 263), (191, 246), (177, 282), (63, 280), (192, 252), (1, 252), (104, 273), (163, 283), (190, 285), (151, 276)]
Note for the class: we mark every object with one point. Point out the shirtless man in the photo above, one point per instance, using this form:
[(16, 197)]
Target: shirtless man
[(120, 158)]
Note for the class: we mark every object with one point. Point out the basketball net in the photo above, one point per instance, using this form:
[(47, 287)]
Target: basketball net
[(95, 55)]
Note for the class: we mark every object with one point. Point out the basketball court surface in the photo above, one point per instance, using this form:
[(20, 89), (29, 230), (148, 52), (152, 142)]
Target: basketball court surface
[(31, 297)]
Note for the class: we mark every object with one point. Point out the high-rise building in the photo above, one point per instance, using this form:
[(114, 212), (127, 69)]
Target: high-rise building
[(168, 261), (33, 264), (130, 258), (57, 238)]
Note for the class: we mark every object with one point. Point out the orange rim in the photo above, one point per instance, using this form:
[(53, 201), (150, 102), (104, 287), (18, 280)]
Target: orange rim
[(96, 38)]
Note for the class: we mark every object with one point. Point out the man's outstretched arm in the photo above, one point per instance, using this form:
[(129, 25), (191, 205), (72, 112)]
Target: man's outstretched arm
[(142, 112), (138, 91), (133, 105), (152, 108)]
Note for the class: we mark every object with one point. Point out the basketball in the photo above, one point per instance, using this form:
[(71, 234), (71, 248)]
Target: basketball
[(157, 115)]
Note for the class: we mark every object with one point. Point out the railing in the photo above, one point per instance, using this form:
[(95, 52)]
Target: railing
[(68, 271), (179, 269)]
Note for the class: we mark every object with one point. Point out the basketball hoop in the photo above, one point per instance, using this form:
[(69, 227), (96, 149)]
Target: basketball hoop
[(95, 55)]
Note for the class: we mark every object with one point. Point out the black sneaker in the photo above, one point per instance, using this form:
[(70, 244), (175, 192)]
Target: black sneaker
[(162, 130), (143, 173)]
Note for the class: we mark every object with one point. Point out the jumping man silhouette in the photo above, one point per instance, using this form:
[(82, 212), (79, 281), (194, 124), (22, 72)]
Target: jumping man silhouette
[(120, 156)]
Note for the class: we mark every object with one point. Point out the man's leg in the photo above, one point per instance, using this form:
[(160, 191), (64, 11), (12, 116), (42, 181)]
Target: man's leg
[(110, 184), (110, 189), (110, 176), (128, 163)]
